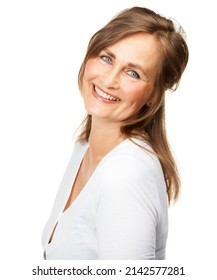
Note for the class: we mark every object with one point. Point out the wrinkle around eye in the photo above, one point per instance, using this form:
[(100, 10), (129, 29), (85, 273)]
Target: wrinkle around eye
[(106, 59), (133, 74)]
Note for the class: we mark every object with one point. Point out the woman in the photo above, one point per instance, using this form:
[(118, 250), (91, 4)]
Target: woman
[(113, 199)]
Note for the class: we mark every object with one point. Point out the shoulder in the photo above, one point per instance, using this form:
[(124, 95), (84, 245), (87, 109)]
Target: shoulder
[(79, 146), (78, 150), (132, 174), (131, 167), (132, 157)]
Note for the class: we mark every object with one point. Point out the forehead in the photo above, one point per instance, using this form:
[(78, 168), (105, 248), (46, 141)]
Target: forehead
[(139, 48)]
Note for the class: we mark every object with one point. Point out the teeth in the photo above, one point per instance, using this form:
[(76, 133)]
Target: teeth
[(105, 95)]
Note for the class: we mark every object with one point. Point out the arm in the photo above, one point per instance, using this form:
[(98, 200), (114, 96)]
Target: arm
[(127, 214)]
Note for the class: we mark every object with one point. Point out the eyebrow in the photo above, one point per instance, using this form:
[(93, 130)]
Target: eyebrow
[(130, 64)]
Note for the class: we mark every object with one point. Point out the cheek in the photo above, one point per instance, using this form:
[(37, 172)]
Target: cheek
[(138, 95), (87, 73), (87, 77), (91, 69)]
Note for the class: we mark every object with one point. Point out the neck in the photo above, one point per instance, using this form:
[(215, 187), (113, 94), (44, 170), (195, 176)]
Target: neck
[(103, 138)]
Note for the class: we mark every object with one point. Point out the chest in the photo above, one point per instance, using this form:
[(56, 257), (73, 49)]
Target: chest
[(82, 178)]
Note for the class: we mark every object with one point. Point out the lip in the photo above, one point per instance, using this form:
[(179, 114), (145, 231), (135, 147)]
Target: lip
[(103, 99)]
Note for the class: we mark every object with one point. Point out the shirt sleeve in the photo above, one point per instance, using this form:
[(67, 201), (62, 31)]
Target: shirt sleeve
[(128, 210)]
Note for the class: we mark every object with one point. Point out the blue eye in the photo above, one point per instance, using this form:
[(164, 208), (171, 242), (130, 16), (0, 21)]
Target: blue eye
[(133, 74), (105, 58)]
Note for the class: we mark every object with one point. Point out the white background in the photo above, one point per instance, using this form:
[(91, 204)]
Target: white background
[(42, 44)]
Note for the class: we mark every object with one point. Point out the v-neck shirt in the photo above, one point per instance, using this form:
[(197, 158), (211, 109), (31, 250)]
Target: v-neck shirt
[(121, 212)]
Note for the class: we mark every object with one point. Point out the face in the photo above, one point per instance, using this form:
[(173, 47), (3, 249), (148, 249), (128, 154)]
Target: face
[(120, 80)]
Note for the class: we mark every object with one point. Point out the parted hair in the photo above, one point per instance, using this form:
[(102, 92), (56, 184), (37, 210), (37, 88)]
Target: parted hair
[(148, 123)]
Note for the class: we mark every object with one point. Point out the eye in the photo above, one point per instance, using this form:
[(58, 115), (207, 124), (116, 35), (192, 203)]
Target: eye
[(106, 59), (133, 74)]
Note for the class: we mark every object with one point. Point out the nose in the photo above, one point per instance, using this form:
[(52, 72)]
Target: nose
[(111, 79)]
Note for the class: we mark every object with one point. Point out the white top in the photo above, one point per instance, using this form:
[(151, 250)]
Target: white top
[(121, 213)]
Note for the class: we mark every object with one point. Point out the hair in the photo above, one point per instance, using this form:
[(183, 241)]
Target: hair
[(149, 123)]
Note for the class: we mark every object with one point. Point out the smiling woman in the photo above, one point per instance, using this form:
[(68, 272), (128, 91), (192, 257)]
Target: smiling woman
[(113, 199), (121, 77)]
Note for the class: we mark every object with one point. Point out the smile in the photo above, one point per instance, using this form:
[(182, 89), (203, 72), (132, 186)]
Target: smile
[(105, 96)]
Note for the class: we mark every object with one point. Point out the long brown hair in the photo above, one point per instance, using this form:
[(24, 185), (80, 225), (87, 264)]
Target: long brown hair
[(149, 123)]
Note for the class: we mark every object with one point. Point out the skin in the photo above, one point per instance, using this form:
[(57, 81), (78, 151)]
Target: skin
[(126, 71), (113, 73)]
